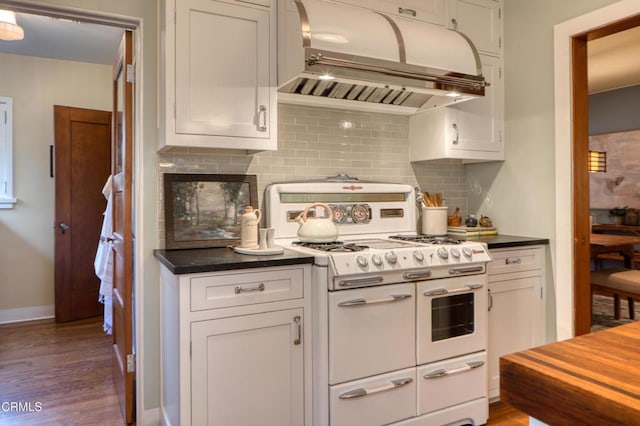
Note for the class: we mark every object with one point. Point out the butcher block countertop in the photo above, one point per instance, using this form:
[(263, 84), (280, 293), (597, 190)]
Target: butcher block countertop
[(592, 379)]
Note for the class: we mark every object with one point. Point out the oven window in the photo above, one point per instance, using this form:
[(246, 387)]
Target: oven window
[(452, 316)]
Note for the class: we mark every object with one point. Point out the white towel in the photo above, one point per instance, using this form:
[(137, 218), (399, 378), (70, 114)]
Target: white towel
[(103, 263)]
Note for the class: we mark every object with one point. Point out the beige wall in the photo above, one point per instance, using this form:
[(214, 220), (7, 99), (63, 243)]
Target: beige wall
[(26, 231), (520, 192), (146, 270)]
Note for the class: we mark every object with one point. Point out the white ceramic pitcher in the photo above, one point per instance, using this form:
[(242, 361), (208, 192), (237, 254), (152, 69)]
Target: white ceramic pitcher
[(249, 228)]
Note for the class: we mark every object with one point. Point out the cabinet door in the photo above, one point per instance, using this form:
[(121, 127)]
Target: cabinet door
[(432, 11), (223, 70), (515, 319), (480, 20), (479, 122), (248, 370)]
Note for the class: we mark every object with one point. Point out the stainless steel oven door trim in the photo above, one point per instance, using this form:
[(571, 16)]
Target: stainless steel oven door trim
[(361, 301), (442, 372), (361, 281), (443, 291), (467, 270)]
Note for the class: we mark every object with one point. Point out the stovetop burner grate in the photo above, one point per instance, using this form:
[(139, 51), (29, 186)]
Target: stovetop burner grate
[(335, 246), (426, 239)]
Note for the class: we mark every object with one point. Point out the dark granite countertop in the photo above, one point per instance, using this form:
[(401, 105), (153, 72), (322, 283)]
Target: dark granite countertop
[(188, 261), (506, 241)]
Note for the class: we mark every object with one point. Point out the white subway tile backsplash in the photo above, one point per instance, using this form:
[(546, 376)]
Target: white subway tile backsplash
[(320, 142)]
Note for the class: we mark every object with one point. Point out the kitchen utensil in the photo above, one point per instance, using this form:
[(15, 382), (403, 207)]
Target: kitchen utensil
[(317, 229), (249, 228), (454, 219), (263, 238), (434, 221), (271, 232)]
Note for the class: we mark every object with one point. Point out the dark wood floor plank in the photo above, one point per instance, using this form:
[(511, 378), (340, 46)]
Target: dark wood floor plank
[(61, 371)]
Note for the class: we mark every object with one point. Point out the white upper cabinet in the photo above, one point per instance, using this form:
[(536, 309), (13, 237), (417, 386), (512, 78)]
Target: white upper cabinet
[(472, 130), (481, 21), (432, 11), (218, 75)]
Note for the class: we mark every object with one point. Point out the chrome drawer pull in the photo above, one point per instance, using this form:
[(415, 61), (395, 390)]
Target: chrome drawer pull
[(442, 372), (362, 391), (298, 338), (405, 11), (441, 291), (262, 112), (416, 275), (360, 281), (471, 269), (239, 289), (360, 302), (515, 261)]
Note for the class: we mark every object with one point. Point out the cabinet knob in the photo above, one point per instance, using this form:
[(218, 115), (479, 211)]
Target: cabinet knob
[(457, 138)]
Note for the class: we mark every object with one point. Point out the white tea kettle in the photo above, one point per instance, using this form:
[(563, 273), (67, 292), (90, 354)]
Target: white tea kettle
[(317, 229)]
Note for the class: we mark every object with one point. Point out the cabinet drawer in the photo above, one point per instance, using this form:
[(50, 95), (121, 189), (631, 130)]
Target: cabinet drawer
[(445, 383), (507, 261), (376, 400), (229, 290)]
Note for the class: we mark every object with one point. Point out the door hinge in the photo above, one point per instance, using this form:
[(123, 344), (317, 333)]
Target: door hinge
[(131, 73), (131, 363)]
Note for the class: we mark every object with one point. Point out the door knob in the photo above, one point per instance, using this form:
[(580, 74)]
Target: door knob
[(63, 226)]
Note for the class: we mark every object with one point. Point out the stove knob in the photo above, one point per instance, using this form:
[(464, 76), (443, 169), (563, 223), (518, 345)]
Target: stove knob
[(376, 259), (467, 251), (455, 252), (362, 261), (391, 258), (418, 255), (443, 253)]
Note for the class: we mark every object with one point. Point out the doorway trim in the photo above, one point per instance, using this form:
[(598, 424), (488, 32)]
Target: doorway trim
[(135, 25), (565, 261)]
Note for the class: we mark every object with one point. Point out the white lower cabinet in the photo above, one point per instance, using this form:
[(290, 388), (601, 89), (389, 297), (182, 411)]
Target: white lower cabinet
[(516, 305), (259, 359), (243, 363)]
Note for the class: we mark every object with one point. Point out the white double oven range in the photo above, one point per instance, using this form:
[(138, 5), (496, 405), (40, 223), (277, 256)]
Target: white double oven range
[(399, 319)]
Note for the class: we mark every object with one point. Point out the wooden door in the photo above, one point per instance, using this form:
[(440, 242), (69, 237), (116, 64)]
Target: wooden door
[(121, 165), (82, 166)]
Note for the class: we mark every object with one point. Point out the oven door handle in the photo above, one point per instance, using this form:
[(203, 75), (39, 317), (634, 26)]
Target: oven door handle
[(360, 301), (441, 291), (360, 281), (417, 275), (363, 391), (467, 270), (442, 372)]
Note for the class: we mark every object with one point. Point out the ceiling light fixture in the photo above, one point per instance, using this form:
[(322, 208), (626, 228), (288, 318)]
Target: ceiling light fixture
[(9, 29)]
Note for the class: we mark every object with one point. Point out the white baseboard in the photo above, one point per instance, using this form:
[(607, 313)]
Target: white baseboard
[(151, 417), (29, 313)]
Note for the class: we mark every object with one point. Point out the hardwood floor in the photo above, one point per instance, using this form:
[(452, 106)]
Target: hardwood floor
[(60, 374), (501, 414)]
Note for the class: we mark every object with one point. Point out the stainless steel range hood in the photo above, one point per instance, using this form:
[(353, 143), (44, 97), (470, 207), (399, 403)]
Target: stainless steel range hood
[(345, 56)]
